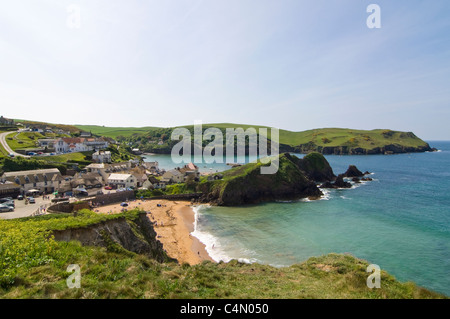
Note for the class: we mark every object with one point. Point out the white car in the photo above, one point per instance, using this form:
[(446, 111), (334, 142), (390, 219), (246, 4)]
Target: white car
[(6, 208)]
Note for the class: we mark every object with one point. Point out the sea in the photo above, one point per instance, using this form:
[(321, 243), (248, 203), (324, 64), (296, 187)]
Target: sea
[(399, 221)]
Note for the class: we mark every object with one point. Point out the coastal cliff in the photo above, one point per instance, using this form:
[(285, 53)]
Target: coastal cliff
[(134, 235), (296, 178), (127, 268), (337, 141)]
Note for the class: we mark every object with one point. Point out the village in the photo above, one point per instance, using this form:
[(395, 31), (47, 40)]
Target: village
[(22, 190)]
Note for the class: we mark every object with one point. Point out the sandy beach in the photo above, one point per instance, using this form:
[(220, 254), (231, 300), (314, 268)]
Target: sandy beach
[(173, 223)]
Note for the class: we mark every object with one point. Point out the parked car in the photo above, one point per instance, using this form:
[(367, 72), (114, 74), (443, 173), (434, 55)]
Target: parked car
[(6, 199), (124, 204), (10, 203), (11, 154), (6, 208), (31, 200), (108, 188), (20, 197)]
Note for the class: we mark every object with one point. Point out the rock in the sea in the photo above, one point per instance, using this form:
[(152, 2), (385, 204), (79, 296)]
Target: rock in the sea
[(352, 171), (366, 179), (366, 173), (315, 167), (356, 180), (340, 183), (327, 185)]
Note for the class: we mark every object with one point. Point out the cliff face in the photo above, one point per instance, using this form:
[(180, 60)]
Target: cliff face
[(137, 236), (315, 167), (296, 178), (349, 150)]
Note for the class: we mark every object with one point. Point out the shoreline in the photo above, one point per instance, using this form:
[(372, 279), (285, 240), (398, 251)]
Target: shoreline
[(173, 222)]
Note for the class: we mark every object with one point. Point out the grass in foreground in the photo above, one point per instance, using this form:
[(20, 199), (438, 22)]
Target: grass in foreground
[(40, 265)]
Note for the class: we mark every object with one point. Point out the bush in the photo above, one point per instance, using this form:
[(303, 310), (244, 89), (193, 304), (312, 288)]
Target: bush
[(25, 164)]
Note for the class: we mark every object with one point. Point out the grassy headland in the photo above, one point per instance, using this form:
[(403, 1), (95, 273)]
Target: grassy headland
[(325, 140), (33, 265)]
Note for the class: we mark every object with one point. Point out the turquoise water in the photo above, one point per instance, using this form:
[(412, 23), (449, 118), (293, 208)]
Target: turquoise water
[(400, 221)]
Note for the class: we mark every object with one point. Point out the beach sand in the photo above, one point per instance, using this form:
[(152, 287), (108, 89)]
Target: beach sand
[(173, 223)]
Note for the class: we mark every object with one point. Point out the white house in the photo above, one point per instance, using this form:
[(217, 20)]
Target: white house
[(122, 180), (69, 144), (47, 142), (105, 169), (78, 144), (95, 144), (102, 157), (172, 176)]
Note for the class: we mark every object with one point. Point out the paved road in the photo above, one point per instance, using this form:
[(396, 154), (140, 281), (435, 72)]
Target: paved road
[(6, 146), (23, 210)]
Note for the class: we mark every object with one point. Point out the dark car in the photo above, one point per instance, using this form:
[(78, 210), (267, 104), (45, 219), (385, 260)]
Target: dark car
[(124, 204), (20, 197)]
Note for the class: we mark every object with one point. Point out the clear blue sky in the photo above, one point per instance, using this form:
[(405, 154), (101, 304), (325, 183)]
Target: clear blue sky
[(291, 64)]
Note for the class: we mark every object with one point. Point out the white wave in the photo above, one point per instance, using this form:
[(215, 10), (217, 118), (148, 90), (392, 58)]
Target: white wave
[(326, 194), (212, 244)]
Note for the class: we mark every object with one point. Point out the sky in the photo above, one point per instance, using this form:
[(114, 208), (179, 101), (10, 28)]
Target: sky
[(290, 64)]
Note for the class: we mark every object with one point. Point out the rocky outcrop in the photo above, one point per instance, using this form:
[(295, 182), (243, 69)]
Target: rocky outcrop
[(315, 167), (246, 184), (137, 236), (340, 183), (352, 171)]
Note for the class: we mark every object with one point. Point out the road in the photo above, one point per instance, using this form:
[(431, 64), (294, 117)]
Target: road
[(23, 210), (6, 146)]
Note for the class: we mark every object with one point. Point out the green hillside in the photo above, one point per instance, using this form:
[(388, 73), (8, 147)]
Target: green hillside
[(324, 140), (33, 265), (114, 132)]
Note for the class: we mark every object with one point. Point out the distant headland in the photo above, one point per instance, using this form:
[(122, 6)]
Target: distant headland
[(338, 141)]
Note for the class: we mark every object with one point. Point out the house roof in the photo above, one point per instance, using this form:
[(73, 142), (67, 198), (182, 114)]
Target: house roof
[(174, 172), (8, 185), (73, 140), (191, 166), (97, 166), (119, 176), (33, 176)]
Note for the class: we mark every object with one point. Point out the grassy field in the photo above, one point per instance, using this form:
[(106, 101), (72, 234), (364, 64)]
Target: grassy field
[(23, 140), (67, 158), (3, 152), (64, 127), (113, 132), (34, 266)]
